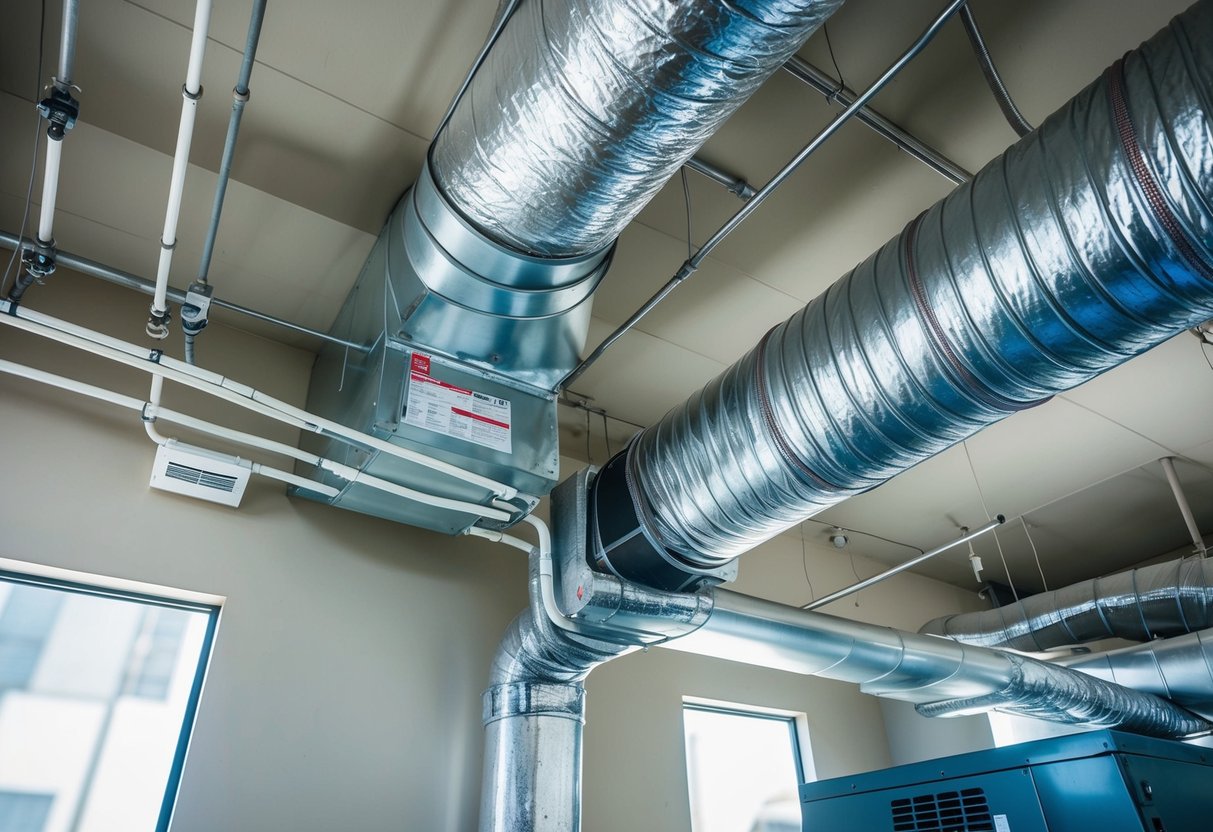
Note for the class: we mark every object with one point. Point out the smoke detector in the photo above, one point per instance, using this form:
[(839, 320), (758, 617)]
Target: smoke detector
[(197, 472), (838, 537)]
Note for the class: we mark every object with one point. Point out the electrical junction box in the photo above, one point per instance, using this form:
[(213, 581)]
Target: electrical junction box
[(1102, 781)]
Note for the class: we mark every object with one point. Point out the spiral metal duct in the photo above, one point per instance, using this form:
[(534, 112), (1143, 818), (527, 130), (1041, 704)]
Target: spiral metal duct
[(1084, 244), (584, 108), (1164, 600)]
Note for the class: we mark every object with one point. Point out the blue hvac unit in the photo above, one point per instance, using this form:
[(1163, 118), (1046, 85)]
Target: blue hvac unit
[(1103, 781)]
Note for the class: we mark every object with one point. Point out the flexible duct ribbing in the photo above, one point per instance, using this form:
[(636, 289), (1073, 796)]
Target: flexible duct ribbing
[(1164, 600), (584, 108), (1086, 243)]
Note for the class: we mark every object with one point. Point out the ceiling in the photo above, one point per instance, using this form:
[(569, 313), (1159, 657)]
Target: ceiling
[(346, 95)]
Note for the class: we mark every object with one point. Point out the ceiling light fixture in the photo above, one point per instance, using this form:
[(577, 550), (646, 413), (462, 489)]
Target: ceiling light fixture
[(838, 537)]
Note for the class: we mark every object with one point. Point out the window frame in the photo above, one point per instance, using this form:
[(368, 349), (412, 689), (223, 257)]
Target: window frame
[(116, 589), (797, 722)]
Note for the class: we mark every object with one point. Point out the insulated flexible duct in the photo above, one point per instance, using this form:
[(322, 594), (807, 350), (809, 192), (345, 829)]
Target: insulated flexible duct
[(1164, 600), (1081, 246), (1180, 668), (584, 108)]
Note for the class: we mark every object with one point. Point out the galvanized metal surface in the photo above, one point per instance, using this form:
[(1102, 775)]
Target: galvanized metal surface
[(1179, 668), (1166, 599), (1100, 780), (941, 677), (370, 391), (1086, 243), (583, 110), (457, 292), (534, 710)]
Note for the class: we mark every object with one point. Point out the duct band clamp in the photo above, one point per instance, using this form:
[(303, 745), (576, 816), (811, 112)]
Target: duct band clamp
[(560, 700)]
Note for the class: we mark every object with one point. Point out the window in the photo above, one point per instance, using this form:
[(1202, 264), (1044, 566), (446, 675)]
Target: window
[(98, 690), (744, 767)]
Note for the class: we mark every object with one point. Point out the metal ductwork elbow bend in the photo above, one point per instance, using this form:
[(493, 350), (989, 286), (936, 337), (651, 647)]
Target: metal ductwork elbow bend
[(1084, 244), (1159, 601), (534, 713)]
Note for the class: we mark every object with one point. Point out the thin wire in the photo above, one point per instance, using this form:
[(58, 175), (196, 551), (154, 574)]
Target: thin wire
[(606, 434), (868, 534), (686, 199), (825, 29), (33, 165), (804, 562), (1035, 554), (855, 572), (1205, 353), (1001, 556)]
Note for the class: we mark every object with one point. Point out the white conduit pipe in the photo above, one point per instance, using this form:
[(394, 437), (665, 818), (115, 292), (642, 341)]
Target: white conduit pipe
[(131, 403), (157, 324), (547, 585), (214, 384), (50, 190), (152, 412), (1168, 467)]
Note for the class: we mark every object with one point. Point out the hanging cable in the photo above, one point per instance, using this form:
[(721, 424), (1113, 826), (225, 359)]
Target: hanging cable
[(1045, 581), (686, 200), (1001, 556), (1018, 123)]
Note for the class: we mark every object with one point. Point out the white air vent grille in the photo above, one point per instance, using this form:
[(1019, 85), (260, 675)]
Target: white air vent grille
[(206, 479), (197, 472)]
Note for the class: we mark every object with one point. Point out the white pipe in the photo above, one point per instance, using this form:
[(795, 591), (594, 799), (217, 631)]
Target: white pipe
[(292, 479), (214, 384), (1168, 467), (190, 94), (50, 190), (547, 589), (152, 412)]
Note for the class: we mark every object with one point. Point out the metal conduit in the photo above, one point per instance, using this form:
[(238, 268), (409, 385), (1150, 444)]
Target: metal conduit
[(1167, 599), (92, 268), (828, 86), (582, 110), (1084, 244)]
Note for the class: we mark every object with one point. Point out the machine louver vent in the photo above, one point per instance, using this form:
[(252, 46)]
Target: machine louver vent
[(197, 476), (959, 811)]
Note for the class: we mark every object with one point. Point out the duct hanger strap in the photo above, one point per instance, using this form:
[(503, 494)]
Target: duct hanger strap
[(956, 370), (1154, 195)]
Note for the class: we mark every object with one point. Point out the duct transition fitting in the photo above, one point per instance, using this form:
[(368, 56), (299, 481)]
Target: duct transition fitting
[(1084, 244)]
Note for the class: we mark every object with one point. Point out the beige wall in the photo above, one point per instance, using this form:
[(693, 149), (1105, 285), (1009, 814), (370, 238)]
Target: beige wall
[(344, 691)]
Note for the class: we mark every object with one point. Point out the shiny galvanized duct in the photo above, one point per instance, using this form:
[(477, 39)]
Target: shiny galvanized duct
[(940, 677), (1086, 243), (1180, 669), (584, 108), (534, 713), (1163, 600)]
